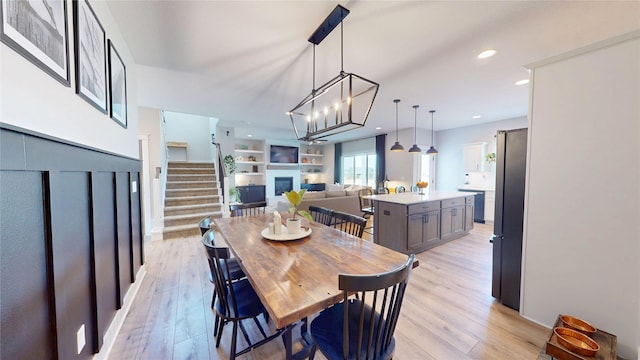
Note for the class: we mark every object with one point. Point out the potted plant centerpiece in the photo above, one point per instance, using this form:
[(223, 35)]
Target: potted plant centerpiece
[(295, 198)]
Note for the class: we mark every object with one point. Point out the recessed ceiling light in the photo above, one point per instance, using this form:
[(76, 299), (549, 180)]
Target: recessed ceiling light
[(249, 135), (522, 82), (487, 53), (476, 116), (378, 128)]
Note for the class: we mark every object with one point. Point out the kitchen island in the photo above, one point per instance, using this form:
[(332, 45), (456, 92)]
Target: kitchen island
[(412, 223)]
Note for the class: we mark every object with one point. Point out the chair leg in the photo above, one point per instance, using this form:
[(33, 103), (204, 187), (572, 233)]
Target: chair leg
[(260, 327), (232, 352), (222, 322), (244, 332), (312, 351)]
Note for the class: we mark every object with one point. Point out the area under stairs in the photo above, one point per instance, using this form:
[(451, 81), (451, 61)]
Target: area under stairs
[(192, 193)]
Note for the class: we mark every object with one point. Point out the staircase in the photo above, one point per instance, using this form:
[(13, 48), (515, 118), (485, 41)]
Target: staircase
[(192, 193)]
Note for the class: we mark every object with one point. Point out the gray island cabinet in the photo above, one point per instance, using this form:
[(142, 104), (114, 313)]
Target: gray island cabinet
[(411, 223)]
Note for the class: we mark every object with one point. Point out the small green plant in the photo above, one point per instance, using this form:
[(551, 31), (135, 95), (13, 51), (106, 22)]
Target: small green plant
[(491, 158), (230, 163), (295, 198), (234, 194)]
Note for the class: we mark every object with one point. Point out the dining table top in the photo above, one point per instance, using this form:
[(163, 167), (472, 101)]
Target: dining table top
[(297, 278)]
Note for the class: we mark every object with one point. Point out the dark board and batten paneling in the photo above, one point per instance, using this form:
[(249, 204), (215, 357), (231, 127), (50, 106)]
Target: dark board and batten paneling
[(67, 213), (70, 232), (104, 249), (123, 234), (136, 224), (26, 301)]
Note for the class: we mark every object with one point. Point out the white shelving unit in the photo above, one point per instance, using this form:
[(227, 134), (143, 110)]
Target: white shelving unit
[(311, 164), (250, 162)]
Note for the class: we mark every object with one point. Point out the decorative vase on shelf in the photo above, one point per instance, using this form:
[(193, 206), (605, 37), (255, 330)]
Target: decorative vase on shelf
[(293, 226)]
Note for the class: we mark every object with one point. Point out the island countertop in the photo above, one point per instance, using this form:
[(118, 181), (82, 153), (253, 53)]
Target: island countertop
[(409, 198)]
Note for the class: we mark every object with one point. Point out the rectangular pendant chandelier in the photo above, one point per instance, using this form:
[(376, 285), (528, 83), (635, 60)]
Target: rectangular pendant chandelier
[(341, 104)]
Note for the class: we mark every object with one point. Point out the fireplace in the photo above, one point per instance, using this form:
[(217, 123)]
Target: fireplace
[(283, 184)]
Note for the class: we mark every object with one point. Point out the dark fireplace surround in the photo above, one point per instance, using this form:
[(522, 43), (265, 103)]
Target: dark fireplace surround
[(283, 184)]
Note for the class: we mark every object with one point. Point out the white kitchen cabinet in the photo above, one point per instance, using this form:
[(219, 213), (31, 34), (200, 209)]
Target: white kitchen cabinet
[(489, 205), (473, 155)]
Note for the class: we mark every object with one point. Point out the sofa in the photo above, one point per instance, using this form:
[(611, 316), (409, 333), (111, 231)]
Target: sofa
[(346, 200)]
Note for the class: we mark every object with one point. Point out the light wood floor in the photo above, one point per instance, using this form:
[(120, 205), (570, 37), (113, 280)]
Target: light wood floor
[(448, 311)]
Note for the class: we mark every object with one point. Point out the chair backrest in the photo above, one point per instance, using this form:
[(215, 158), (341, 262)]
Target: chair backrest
[(349, 223), (364, 202), (205, 225), (400, 189), (414, 188), (321, 214), (386, 292), (383, 190), (219, 267), (248, 209)]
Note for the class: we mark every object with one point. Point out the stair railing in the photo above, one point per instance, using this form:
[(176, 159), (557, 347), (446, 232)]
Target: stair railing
[(221, 168)]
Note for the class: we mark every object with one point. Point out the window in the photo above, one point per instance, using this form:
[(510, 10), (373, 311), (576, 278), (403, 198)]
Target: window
[(359, 169), (427, 168)]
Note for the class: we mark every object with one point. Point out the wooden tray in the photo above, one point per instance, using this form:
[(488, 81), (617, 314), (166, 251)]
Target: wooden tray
[(608, 344)]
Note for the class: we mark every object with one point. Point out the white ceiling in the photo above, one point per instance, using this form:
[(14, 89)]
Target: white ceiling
[(248, 62)]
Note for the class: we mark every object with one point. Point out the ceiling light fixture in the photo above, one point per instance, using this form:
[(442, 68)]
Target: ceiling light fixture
[(522, 82), (415, 149), (486, 54), (341, 104), (476, 116), (397, 147), (432, 150)]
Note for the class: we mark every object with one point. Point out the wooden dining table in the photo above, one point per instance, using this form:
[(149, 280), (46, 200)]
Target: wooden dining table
[(298, 278)]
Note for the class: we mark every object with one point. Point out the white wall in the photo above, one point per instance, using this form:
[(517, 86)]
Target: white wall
[(450, 167), (33, 100), (582, 222), (192, 129), (150, 127)]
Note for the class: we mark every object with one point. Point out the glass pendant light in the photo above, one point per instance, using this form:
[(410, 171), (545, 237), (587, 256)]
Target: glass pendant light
[(432, 150), (397, 147), (415, 148)]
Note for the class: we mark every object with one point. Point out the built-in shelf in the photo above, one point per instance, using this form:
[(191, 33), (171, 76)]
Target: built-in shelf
[(249, 151), (250, 162)]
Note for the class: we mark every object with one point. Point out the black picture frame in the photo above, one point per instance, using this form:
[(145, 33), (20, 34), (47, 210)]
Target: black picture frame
[(117, 87), (90, 56), (43, 41)]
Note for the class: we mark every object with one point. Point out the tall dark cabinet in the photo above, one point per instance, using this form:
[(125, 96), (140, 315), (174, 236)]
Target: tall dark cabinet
[(511, 159)]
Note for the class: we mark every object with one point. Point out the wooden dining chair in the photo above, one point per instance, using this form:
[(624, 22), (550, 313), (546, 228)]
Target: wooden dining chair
[(349, 223), (235, 272), (362, 327), (236, 300), (366, 205), (205, 225), (321, 214), (248, 209)]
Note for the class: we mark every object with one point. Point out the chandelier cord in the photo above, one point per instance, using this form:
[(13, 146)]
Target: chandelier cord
[(341, 48), (396, 121)]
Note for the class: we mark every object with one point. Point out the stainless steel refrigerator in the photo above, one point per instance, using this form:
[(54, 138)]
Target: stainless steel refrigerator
[(511, 156)]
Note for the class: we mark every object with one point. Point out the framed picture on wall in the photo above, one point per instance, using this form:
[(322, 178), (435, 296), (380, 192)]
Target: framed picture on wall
[(117, 87), (37, 30), (91, 67)]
